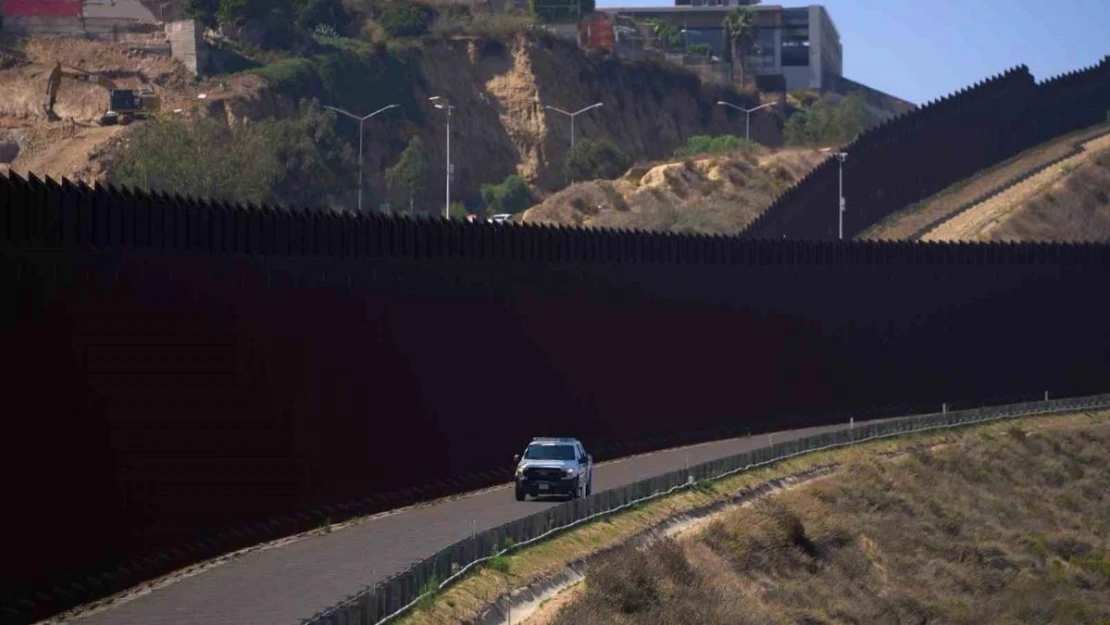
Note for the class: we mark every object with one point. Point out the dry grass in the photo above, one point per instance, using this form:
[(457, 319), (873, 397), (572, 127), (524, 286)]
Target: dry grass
[(903, 224), (462, 601), (1007, 524), (709, 194), (1075, 207), (976, 223)]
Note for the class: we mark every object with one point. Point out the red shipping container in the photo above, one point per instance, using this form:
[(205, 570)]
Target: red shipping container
[(597, 32), (42, 8)]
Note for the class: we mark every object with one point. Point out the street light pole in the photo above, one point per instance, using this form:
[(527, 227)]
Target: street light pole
[(747, 116), (361, 121), (443, 104), (573, 115), (840, 156)]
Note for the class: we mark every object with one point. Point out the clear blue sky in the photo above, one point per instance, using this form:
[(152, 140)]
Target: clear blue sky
[(920, 50)]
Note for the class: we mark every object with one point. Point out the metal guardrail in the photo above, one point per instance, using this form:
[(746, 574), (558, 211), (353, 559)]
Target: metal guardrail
[(398, 594)]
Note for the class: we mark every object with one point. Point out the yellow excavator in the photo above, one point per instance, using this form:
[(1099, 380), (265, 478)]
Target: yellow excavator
[(124, 105)]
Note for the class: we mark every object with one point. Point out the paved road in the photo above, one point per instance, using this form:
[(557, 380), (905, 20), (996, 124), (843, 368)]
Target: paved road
[(283, 585)]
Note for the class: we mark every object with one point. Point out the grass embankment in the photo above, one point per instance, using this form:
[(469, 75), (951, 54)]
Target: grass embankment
[(941, 206), (1004, 525), (465, 599)]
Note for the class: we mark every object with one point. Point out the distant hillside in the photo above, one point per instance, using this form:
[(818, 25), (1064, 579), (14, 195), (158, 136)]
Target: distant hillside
[(709, 193)]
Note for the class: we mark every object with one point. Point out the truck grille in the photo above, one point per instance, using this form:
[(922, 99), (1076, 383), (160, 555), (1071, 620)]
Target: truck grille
[(536, 473)]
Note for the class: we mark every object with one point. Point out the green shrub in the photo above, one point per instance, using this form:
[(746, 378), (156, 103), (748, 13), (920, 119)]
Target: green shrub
[(299, 161), (561, 10), (304, 14), (826, 123), (406, 20), (707, 144), (511, 196), (596, 160), (353, 75)]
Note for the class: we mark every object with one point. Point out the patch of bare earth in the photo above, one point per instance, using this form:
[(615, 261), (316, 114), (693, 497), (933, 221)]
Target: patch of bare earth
[(75, 146), (1057, 193), (904, 224), (1004, 525), (708, 194)]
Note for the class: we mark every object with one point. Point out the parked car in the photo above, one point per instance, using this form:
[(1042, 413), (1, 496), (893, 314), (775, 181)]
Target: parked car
[(552, 466)]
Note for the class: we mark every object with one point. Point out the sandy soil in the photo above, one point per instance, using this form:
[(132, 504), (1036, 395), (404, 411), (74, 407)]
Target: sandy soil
[(711, 194), (978, 222), (73, 147), (906, 223)]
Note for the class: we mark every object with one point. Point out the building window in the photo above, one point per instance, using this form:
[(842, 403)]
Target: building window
[(795, 56), (795, 17)]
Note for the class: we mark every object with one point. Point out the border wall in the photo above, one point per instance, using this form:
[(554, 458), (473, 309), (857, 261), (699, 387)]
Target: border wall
[(207, 377), (913, 156)]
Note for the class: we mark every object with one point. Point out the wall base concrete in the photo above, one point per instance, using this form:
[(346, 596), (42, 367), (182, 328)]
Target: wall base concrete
[(187, 45)]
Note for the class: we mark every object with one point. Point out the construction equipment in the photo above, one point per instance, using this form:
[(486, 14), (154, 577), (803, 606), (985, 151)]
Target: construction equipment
[(124, 105)]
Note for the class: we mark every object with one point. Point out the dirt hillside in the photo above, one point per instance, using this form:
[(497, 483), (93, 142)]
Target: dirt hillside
[(499, 89), (500, 125), (710, 194), (1065, 202), (1005, 526), (75, 146), (927, 216)]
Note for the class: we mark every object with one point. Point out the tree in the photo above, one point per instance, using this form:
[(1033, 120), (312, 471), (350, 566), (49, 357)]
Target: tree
[(203, 11), (739, 28), (511, 196), (826, 123), (665, 32), (410, 173), (406, 20), (238, 12), (310, 14), (596, 160), (851, 117)]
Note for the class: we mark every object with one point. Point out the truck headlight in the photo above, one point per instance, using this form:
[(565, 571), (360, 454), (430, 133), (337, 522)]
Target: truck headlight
[(519, 471), (570, 472)]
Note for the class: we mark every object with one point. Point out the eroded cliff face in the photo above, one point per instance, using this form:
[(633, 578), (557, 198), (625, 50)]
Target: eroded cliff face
[(500, 125), (709, 194)]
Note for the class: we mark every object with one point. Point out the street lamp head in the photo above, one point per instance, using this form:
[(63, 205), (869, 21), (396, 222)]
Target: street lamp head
[(722, 103)]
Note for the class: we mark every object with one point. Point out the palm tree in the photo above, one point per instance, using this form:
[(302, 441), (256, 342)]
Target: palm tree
[(739, 27)]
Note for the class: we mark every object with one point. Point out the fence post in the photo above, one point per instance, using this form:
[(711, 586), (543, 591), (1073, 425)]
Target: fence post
[(1046, 395)]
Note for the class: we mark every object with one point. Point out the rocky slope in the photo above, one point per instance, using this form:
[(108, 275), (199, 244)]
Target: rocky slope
[(711, 194), (500, 125), (499, 89)]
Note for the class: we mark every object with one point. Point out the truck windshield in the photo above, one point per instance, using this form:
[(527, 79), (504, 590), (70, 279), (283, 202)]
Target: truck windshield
[(549, 452)]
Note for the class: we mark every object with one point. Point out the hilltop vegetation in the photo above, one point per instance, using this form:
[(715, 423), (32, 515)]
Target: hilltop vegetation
[(995, 528)]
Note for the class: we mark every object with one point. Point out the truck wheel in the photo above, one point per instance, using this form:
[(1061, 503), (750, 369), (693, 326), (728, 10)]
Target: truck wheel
[(519, 493)]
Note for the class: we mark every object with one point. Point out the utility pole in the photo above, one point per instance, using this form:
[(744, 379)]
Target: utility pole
[(747, 116), (361, 121), (442, 104)]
